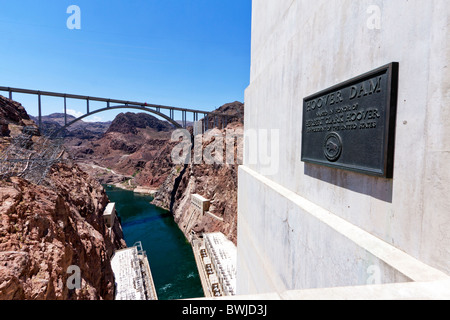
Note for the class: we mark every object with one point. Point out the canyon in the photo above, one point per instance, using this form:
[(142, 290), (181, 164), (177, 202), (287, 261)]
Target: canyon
[(46, 228), (135, 153)]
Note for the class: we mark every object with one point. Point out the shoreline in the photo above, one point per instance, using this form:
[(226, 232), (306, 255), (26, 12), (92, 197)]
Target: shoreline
[(120, 182), (145, 190), (136, 189), (175, 282)]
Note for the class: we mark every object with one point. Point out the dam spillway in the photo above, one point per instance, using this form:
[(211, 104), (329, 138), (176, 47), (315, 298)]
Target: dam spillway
[(169, 254)]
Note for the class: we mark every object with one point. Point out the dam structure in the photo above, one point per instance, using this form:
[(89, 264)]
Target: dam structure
[(132, 273), (216, 256), (133, 276), (343, 193)]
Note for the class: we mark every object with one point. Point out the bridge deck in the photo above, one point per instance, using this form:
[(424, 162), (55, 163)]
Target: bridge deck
[(154, 108)]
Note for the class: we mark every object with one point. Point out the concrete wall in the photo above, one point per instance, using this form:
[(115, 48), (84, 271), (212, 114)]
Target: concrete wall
[(300, 47)]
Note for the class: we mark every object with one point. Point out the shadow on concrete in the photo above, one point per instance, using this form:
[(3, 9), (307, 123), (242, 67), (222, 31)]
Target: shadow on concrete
[(378, 188)]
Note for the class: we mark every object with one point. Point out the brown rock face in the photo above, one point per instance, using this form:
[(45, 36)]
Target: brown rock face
[(216, 181), (13, 112), (131, 122), (13, 120), (44, 230), (135, 149)]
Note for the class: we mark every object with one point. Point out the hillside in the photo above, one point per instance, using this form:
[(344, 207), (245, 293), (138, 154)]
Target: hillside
[(217, 182), (131, 123), (79, 130), (13, 120), (135, 150), (46, 228)]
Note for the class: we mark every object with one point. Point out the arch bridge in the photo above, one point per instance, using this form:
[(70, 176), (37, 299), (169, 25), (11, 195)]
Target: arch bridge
[(213, 119)]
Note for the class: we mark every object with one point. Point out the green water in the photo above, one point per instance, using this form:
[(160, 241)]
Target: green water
[(170, 255)]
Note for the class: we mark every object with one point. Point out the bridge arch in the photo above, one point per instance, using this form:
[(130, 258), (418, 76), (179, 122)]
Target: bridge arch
[(211, 119), (141, 108)]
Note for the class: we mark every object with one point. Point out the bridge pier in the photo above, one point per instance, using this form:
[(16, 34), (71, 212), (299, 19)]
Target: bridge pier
[(39, 111), (183, 119), (65, 110)]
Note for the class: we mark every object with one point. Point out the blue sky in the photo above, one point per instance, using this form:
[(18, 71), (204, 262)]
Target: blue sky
[(184, 53)]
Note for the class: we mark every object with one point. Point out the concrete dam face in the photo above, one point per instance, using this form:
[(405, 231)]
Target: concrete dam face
[(334, 222)]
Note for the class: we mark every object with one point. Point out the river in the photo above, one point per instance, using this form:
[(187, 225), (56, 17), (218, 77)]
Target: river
[(169, 253)]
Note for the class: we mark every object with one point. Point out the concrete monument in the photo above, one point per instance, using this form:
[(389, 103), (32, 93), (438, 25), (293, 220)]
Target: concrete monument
[(305, 226)]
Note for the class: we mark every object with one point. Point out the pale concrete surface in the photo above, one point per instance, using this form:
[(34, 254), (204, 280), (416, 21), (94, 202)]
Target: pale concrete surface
[(332, 251), (300, 48), (437, 290), (206, 286)]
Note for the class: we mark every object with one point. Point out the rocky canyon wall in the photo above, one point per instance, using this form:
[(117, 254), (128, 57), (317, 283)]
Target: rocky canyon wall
[(47, 229), (214, 181)]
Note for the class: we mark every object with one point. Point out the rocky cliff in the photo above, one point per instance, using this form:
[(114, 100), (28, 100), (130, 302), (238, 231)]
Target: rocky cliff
[(131, 123), (78, 131), (134, 151), (13, 120), (215, 181), (45, 229)]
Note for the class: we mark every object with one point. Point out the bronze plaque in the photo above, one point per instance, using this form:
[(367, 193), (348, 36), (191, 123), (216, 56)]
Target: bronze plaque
[(351, 126)]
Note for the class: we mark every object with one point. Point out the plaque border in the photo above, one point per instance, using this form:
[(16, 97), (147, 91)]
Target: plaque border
[(387, 170)]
